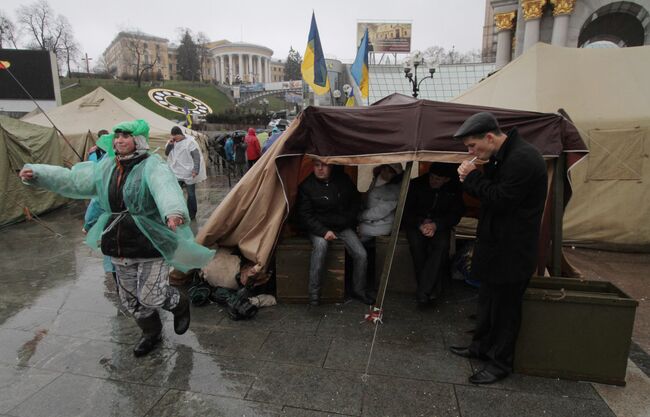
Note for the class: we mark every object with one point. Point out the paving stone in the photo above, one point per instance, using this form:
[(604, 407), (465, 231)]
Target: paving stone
[(82, 396), (107, 360), (303, 412), (287, 348), (208, 374), (183, 404), (424, 361), (485, 402), (306, 387), (18, 383), (407, 397)]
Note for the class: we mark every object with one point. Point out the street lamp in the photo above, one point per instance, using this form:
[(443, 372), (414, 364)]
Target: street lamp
[(337, 97), (416, 61)]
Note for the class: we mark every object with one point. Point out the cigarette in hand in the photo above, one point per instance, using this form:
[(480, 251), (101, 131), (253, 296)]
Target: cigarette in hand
[(473, 159)]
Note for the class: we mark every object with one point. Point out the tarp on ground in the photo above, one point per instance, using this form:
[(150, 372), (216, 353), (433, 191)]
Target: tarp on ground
[(81, 119), (606, 92), (397, 129), (22, 143)]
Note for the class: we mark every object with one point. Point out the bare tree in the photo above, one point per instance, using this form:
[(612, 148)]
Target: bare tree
[(69, 49), (202, 52), (8, 32), (39, 22), (139, 55)]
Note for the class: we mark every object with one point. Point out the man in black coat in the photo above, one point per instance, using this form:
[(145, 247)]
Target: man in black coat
[(328, 206), (512, 191), (433, 207)]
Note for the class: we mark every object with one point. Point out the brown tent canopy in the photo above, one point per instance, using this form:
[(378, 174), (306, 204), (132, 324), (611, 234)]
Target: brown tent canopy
[(396, 129)]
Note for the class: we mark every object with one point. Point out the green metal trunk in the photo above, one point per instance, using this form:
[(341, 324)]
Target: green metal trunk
[(573, 329), (292, 259)]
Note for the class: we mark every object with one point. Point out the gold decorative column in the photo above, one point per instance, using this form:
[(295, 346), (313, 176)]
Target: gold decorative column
[(562, 10), (505, 23), (532, 10)]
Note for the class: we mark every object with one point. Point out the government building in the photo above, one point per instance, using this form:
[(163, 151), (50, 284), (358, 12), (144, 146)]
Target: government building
[(227, 62), (513, 26)]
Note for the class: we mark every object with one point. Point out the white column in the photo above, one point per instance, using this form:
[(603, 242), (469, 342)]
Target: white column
[(560, 30), (230, 71), (240, 70), (504, 26), (259, 69), (250, 68), (268, 70), (532, 10), (222, 71)]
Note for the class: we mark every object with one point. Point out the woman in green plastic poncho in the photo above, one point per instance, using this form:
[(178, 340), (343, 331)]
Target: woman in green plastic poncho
[(143, 227)]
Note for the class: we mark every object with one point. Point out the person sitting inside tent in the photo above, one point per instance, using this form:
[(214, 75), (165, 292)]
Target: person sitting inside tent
[(434, 205), (143, 226), (328, 205)]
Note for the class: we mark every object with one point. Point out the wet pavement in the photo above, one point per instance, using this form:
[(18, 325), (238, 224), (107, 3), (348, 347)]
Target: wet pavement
[(65, 350)]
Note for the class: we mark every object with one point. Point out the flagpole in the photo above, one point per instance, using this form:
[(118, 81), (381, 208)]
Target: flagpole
[(44, 113)]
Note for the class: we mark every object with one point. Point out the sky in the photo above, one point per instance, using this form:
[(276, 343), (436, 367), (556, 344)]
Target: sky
[(276, 24)]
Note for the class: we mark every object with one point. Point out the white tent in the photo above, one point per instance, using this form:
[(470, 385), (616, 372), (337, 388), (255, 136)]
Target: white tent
[(606, 92), (80, 120)]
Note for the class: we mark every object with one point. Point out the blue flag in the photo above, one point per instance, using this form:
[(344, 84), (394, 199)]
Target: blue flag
[(359, 68), (313, 67)]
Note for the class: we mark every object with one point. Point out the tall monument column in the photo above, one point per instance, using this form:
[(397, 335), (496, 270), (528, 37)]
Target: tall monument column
[(532, 10), (562, 10), (505, 22)]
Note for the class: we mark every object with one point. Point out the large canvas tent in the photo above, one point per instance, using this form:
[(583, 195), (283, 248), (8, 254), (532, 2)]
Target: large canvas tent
[(397, 129), (22, 143), (607, 94), (80, 120)]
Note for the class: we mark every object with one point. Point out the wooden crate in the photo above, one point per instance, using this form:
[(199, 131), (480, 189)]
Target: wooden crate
[(402, 274), (578, 330), (292, 257)]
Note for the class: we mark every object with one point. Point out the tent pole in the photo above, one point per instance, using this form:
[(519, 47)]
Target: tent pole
[(394, 234), (558, 215)]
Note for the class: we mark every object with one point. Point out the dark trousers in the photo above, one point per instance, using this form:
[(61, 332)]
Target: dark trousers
[(499, 319), (430, 259), (251, 162), (192, 206)]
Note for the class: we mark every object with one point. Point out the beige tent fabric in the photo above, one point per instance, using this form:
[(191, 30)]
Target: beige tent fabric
[(22, 143), (100, 109), (607, 94)]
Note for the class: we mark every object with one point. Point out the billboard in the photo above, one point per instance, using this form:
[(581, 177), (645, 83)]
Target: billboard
[(393, 37)]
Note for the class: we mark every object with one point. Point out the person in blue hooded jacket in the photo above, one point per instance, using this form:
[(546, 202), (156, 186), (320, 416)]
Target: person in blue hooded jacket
[(143, 227)]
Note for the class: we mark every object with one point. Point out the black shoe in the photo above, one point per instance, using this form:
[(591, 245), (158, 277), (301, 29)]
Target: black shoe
[(182, 314), (463, 351), (486, 377), (146, 344)]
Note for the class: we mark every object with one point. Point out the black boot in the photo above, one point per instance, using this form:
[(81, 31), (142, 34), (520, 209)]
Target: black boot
[(181, 314), (151, 328)]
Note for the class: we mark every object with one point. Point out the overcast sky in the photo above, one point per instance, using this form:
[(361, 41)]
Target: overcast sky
[(276, 24)]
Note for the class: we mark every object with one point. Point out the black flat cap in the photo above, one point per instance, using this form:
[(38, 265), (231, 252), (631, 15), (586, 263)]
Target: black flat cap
[(477, 124)]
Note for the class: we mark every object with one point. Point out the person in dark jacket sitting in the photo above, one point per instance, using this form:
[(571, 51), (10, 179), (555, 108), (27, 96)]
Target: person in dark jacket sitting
[(433, 207), (328, 206)]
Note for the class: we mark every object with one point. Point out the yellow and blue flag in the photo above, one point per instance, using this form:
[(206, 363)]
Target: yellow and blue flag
[(359, 68), (188, 117), (314, 68)]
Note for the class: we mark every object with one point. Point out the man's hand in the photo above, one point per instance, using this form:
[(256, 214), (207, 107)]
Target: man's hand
[(194, 174), (428, 229), (26, 174), (329, 235), (174, 221), (464, 169)]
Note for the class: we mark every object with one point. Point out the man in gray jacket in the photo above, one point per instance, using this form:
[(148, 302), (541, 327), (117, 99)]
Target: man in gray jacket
[(184, 159)]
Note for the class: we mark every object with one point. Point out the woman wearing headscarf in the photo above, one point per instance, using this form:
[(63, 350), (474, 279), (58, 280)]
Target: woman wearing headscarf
[(383, 194), (143, 227), (253, 149)]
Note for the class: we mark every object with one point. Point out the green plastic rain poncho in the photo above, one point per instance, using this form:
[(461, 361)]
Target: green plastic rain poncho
[(151, 194)]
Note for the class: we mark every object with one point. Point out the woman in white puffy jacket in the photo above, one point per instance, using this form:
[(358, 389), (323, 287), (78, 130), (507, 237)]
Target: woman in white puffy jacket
[(383, 194)]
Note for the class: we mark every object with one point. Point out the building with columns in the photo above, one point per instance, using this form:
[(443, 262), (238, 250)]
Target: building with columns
[(516, 25), (227, 62)]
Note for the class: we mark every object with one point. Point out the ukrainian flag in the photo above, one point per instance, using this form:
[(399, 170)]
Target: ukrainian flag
[(359, 69), (313, 68)]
